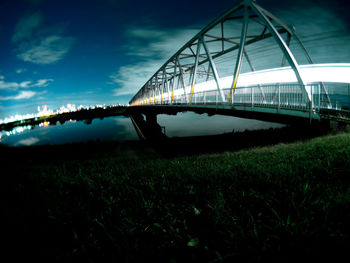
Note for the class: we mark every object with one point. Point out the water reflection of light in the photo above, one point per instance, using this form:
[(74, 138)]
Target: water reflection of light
[(16, 130), (44, 124)]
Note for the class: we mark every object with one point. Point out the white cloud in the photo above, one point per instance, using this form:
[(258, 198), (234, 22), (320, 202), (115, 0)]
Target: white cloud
[(38, 44), (21, 95), (8, 85), (29, 141), (48, 50), (153, 48), (25, 95), (42, 83), (131, 77), (25, 84), (4, 85), (21, 70), (145, 33), (149, 42)]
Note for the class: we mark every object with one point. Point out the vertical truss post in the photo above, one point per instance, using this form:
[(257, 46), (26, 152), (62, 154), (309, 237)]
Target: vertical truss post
[(190, 78), (208, 72), (173, 84), (167, 84), (213, 69), (154, 91), (162, 85), (240, 51), (182, 79), (252, 68), (150, 92), (157, 86), (178, 84), (279, 97), (319, 97), (195, 69)]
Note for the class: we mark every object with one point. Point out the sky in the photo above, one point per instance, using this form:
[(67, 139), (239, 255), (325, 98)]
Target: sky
[(103, 51)]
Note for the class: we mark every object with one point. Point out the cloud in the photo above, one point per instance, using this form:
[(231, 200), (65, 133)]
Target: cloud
[(152, 47), (21, 70), (39, 44), (21, 95), (29, 141), (47, 50), (151, 42), (131, 77), (41, 83), (9, 85), (25, 95), (25, 84)]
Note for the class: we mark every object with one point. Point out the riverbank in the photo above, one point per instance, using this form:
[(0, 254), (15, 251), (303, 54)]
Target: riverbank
[(258, 197)]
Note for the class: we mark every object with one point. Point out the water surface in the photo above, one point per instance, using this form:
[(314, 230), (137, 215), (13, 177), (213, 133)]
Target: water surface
[(120, 128)]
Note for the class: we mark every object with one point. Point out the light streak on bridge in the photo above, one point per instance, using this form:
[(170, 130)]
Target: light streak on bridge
[(263, 81)]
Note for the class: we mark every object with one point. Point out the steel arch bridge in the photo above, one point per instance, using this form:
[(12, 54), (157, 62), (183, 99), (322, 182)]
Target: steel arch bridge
[(247, 61)]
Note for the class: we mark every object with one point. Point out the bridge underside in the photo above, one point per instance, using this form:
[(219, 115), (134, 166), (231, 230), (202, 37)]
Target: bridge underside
[(144, 118), (283, 116)]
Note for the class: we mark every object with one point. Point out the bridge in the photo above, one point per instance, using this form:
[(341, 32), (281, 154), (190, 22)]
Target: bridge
[(246, 63)]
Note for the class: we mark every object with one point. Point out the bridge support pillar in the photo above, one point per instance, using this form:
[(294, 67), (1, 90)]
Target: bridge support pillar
[(147, 129)]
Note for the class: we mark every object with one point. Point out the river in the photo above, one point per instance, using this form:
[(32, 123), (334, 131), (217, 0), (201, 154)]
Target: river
[(120, 128)]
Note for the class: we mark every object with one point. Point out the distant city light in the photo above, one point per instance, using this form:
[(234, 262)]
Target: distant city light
[(17, 117), (42, 111), (45, 111)]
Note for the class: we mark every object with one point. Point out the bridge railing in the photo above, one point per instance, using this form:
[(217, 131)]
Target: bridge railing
[(328, 95), (335, 96)]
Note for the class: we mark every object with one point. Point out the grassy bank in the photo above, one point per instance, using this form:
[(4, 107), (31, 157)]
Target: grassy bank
[(276, 203)]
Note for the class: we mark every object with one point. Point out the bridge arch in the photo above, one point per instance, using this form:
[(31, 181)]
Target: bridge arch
[(228, 63)]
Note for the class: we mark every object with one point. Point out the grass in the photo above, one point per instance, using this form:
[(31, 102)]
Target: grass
[(277, 203)]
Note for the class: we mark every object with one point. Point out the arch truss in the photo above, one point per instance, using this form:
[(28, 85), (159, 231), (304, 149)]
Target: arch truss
[(226, 56)]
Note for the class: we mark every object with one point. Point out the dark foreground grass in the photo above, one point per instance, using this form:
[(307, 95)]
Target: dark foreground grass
[(281, 203)]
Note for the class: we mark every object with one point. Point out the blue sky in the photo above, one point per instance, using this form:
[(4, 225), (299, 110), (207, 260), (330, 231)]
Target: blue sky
[(95, 52)]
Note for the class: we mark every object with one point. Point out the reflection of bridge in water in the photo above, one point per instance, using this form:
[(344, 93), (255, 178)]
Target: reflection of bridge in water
[(269, 75)]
